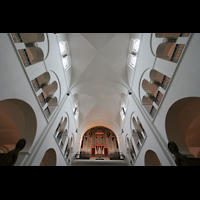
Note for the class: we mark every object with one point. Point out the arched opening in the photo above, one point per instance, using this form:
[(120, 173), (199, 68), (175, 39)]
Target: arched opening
[(9, 134), (52, 104), (41, 81), (153, 91), (17, 120), (169, 51), (159, 79), (137, 134), (148, 105), (49, 90), (130, 149), (151, 159), (99, 143), (61, 133), (149, 88), (32, 37), (50, 93), (49, 158), (35, 54), (171, 35), (183, 125), (165, 50), (167, 35)]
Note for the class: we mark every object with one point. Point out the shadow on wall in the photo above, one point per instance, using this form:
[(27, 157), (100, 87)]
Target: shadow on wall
[(183, 125), (17, 120)]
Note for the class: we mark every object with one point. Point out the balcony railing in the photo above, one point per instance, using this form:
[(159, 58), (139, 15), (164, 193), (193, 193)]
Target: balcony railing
[(153, 111), (47, 112), (165, 82), (17, 38), (181, 159), (112, 156), (158, 98), (177, 52), (42, 99), (24, 57), (36, 85)]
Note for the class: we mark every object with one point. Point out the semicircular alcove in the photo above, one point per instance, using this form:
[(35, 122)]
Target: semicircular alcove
[(99, 141), (17, 120), (183, 125), (151, 159), (49, 158)]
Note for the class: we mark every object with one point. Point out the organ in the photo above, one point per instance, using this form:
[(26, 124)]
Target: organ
[(99, 140)]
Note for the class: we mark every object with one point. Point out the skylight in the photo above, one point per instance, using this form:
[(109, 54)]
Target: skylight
[(64, 48), (66, 62), (131, 61), (123, 111), (134, 45)]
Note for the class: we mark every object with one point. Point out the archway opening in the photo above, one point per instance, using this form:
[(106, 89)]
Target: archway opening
[(9, 134), (99, 143), (151, 159), (49, 158), (17, 120), (183, 125)]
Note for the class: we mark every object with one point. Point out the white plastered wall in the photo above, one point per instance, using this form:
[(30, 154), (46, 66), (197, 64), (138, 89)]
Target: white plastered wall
[(15, 81), (184, 83)]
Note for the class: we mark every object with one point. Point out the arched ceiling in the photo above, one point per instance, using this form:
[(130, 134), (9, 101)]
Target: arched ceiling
[(99, 75)]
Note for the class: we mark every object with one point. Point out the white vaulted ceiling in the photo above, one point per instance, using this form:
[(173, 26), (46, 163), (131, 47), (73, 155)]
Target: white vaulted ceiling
[(99, 76)]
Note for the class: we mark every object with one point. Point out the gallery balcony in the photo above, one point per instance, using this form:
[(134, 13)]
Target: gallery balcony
[(112, 156)]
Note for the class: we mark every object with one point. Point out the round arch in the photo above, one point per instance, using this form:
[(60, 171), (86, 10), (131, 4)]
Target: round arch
[(183, 125), (17, 120), (99, 140), (32, 37), (49, 158), (151, 159)]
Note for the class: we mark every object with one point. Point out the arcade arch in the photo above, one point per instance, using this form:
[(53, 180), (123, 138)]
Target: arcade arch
[(183, 125), (17, 120), (151, 159), (49, 158), (99, 140)]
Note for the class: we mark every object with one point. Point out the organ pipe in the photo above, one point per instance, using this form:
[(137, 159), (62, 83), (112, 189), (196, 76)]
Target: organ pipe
[(96, 139)]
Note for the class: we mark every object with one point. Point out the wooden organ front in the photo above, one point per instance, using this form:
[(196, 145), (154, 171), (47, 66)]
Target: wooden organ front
[(99, 140)]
